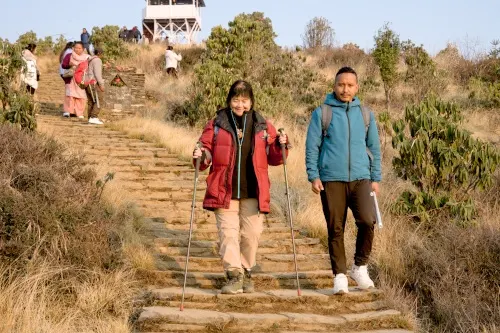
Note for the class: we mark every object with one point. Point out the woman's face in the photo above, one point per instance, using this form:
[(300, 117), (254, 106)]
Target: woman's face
[(78, 49), (240, 104)]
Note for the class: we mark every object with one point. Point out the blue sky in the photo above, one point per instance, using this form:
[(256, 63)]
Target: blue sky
[(470, 24)]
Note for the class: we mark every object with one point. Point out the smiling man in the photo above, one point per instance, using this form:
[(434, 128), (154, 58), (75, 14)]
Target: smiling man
[(343, 166)]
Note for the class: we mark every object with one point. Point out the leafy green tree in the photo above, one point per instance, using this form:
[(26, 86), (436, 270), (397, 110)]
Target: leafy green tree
[(59, 44), (18, 108), (246, 50), (444, 163), (27, 38), (386, 53), (420, 70), (318, 33), (107, 38), (45, 46)]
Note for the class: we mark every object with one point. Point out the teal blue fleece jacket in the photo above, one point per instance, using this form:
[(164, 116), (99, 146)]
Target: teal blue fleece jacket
[(342, 155)]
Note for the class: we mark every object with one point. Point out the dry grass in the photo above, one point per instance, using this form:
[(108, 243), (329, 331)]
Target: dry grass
[(93, 302), (177, 139), (68, 259)]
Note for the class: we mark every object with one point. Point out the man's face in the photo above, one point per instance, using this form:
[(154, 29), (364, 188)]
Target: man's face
[(84, 30), (346, 87)]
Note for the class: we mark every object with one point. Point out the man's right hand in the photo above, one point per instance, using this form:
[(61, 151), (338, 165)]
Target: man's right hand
[(317, 186)]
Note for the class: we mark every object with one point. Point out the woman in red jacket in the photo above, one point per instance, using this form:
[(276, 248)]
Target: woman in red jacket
[(238, 145)]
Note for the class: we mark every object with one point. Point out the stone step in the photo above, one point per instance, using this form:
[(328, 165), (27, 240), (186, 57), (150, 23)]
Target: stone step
[(272, 228), (161, 191), (159, 319), (265, 247), (206, 218), (318, 301), (212, 235), (265, 263), (176, 328), (263, 281)]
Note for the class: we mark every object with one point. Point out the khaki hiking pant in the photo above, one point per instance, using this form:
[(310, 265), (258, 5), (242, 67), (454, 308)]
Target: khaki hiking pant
[(239, 229)]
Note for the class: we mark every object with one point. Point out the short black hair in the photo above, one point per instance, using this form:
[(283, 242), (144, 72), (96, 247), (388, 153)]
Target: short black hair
[(31, 47), (79, 43), (240, 88), (170, 47), (346, 69)]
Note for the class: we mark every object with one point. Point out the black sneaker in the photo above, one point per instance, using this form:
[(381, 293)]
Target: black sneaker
[(248, 287)]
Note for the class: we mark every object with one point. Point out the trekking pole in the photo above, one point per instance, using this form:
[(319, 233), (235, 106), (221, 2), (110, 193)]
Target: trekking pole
[(283, 152), (193, 207), (377, 210)]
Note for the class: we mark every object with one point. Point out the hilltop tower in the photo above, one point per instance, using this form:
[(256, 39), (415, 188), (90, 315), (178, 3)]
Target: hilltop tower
[(179, 20)]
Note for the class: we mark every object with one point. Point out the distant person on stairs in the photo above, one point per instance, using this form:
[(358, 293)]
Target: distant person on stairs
[(74, 102), (85, 39), (343, 165), (172, 61), (95, 91), (238, 146), (30, 74)]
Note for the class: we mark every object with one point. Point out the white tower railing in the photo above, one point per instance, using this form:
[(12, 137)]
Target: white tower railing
[(179, 20)]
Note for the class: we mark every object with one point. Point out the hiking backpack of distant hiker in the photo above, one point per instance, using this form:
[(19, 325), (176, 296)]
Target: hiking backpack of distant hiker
[(81, 77)]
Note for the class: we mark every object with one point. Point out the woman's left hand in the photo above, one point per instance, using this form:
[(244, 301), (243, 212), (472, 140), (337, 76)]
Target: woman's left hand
[(283, 139)]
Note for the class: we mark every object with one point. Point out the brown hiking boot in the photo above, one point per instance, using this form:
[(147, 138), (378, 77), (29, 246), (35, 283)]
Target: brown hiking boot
[(248, 287), (234, 284)]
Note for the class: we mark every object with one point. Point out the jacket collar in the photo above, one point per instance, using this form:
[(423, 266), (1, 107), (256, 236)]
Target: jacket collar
[(223, 121), (333, 101)]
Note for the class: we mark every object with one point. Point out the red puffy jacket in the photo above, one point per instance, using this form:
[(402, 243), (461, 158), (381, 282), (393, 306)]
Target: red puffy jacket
[(220, 150)]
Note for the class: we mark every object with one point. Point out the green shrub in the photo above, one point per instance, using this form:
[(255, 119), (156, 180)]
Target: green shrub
[(18, 108), (107, 39), (421, 72), (247, 51), (50, 207), (484, 94), (386, 53), (444, 163)]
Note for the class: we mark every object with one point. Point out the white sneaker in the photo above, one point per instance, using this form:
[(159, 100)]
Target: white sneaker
[(66, 114), (360, 275), (95, 121), (340, 284)]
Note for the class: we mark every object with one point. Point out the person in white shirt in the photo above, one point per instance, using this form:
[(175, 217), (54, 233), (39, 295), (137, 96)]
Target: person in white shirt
[(172, 60)]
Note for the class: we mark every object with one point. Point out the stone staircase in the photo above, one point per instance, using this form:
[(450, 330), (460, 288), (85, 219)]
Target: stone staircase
[(161, 185)]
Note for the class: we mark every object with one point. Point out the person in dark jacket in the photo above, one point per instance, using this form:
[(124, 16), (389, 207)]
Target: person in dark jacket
[(137, 34), (344, 165), (122, 34), (239, 145), (85, 39)]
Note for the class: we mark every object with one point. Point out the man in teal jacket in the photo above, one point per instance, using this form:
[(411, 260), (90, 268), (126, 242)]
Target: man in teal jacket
[(343, 165)]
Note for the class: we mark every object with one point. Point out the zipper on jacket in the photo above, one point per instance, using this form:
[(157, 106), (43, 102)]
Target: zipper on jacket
[(231, 165), (348, 142), (240, 145)]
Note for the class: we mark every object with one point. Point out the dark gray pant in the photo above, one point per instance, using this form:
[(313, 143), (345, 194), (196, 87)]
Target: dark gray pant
[(336, 198), (93, 110)]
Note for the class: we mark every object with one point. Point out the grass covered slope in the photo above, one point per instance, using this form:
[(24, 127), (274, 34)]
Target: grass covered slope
[(61, 262)]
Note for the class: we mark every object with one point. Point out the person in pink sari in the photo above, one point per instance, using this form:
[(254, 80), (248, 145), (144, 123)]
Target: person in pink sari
[(76, 98)]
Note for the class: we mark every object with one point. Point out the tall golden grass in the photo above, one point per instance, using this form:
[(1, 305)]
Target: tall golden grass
[(44, 301)]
